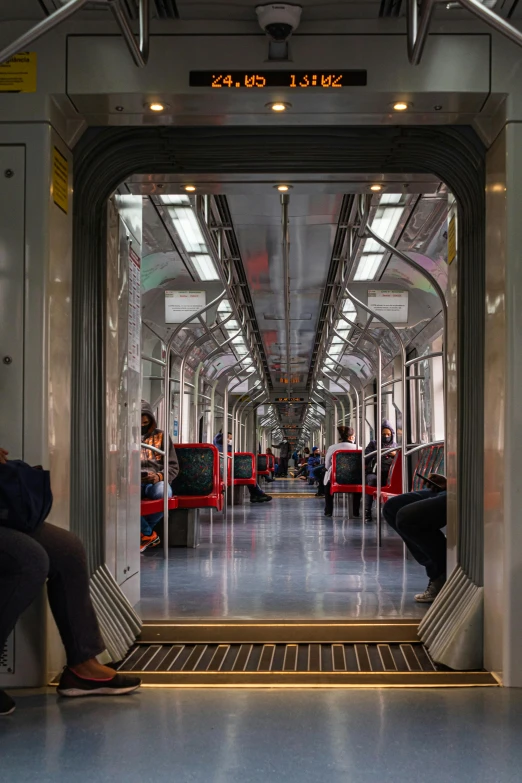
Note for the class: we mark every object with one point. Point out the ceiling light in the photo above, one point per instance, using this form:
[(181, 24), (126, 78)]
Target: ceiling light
[(156, 106), (401, 106), (283, 188), (376, 188), (170, 200), (278, 106), (204, 267), (368, 265), (188, 229), (190, 188)]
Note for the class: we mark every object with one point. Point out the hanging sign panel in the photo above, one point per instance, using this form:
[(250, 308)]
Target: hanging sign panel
[(19, 73), (392, 305), (180, 304)]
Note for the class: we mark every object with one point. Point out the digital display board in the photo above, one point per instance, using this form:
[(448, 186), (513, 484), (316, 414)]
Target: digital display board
[(289, 399), (257, 80)]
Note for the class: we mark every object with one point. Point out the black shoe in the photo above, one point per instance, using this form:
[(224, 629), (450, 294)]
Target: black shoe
[(328, 514), (319, 495), (7, 705), (261, 499), (72, 685)]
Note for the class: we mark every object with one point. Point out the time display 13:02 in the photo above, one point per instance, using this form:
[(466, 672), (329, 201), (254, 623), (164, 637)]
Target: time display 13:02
[(292, 79)]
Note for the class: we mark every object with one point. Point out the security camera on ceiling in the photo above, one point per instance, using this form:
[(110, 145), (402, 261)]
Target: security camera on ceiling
[(279, 20)]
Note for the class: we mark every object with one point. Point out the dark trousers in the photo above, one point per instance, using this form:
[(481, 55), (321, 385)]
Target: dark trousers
[(418, 517), (58, 557), (371, 481), (254, 491), (283, 466), (329, 499), (319, 477)]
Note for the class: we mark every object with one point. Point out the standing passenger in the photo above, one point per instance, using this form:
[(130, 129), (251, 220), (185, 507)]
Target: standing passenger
[(152, 473), (284, 453)]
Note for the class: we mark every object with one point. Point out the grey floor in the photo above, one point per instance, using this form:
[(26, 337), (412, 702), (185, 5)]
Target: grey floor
[(283, 560), (249, 736)]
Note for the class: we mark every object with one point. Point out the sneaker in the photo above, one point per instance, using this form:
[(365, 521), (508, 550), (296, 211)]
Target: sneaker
[(148, 542), (7, 705), (261, 499), (433, 589), (72, 685)]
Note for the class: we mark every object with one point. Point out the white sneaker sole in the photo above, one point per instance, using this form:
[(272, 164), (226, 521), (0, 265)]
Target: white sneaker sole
[(77, 692), (10, 712)]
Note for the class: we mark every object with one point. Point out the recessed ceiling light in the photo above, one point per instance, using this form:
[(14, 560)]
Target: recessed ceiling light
[(190, 188), (278, 106), (156, 106), (401, 106), (283, 188), (376, 188)]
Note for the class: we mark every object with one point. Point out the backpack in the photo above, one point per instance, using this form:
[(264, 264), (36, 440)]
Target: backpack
[(25, 496)]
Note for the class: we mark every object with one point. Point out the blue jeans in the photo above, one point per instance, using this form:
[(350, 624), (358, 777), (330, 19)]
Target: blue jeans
[(152, 492)]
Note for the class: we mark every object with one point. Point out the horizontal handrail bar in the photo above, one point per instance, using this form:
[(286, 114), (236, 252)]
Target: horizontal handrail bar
[(424, 446), (152, 448), (422, 358)]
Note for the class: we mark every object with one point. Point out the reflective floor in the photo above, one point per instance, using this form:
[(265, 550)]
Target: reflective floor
[(283, 560), (249, 736)]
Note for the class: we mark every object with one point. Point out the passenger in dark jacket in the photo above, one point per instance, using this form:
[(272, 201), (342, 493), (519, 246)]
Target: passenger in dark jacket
[(153, 472), (284, 454), (387, 442)]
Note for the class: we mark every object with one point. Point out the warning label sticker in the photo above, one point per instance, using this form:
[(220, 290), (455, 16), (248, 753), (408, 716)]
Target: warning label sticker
[(60, 181), (19, 73)]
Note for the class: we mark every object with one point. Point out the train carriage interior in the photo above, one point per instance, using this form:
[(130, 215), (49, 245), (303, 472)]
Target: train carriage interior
[(306, 566), (259, 321)]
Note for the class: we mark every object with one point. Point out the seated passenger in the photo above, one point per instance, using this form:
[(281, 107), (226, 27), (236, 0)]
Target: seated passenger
[(313, 461), (256, 493), (57, 557), (418, 517), (270, 477), (387, 442), (347, 442), (270, 453), (152, 473)]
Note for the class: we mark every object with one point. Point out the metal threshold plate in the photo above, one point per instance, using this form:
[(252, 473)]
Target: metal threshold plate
[(319, 655)]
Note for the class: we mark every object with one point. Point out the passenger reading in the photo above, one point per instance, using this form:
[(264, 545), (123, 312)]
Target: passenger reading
[(293, 79)]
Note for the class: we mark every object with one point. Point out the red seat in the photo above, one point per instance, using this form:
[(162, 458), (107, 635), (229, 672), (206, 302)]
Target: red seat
[(246, 465), (394, 485), (185, 485), (355, 455), (156, 506), (266, 461)]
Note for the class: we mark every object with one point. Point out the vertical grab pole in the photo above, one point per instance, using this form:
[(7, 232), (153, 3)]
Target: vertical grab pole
[(213, 409), (225, 445), (196, 402)]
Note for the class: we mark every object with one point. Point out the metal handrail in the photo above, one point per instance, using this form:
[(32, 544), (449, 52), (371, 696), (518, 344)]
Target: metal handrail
[(418, 27), (425, 356), (425, 445), (140, 54), (153, 448)]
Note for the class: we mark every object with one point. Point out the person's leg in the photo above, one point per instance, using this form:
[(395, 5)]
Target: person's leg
[(24, 566), (420, 526), (69, 595), (371, 481), (328, 501), (356, 503), (319, 475), (393, 506), (153, 492)]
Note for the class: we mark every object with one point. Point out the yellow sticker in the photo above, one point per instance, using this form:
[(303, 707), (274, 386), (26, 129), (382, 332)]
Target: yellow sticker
[(60, 181), (19, 73), (452, 240)]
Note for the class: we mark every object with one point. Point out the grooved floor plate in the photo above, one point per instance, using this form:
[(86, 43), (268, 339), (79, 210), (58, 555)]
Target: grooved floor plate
[(251, 658)]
